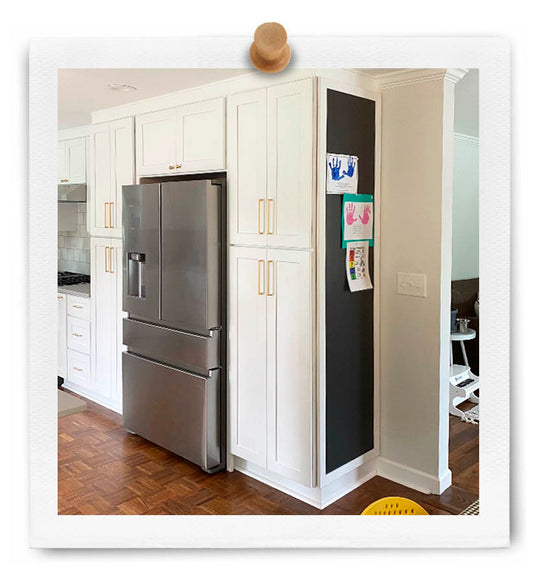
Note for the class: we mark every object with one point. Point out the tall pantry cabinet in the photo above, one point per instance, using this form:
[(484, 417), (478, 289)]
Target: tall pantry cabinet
[(112, 165), (271, 283)]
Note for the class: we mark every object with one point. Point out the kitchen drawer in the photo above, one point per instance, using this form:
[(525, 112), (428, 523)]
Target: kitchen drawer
[(78, 307), (78, 334), (78, 368)]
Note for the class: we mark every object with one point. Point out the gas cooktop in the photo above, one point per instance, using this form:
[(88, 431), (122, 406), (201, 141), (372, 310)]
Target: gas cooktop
[(69, 278)]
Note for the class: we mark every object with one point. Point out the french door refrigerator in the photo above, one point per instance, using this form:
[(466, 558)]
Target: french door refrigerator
[(173, 283)]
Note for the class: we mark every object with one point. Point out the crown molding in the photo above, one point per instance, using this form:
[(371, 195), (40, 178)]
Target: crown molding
[(420, 75), (74, 132)]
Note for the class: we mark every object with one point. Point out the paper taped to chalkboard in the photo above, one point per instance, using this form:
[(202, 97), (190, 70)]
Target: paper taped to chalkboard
[(341, 174)]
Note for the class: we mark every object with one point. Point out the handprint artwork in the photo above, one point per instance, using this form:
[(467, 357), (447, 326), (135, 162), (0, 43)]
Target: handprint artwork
[(350, 214), (335, 166), (342, 174), (351, 164), (357, 218)]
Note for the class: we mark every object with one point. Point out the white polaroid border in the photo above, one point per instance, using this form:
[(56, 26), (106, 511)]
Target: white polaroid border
[(491, 527)]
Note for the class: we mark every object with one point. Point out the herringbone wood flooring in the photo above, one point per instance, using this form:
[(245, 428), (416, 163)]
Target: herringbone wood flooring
[(104, 470)]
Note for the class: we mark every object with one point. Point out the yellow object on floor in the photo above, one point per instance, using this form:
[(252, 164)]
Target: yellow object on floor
[(393, 506)]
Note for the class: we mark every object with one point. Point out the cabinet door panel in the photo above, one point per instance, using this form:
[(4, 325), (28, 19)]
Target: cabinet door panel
[(100, 179), (62, 335), (103, 332), (156, 142), (289, 365), (123, 167), (76, 160), (290, 165), (246, 162), (62, 162), (247, 354), (201, 136)]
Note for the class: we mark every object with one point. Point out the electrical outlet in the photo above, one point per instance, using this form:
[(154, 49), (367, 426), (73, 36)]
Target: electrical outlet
[(411, 284)]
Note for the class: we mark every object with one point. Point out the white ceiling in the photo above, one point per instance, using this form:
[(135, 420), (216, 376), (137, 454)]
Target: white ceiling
[(83, 91)]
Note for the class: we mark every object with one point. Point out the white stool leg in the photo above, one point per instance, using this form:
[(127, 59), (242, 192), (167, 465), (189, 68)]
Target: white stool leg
[(464, 354)]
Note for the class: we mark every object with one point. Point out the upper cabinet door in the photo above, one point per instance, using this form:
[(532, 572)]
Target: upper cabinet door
[(246, 167), (76, 160), (100, 210), (201, 136), (122, 167), (63, 176), (290, 165), (156, 142), (289, 364)]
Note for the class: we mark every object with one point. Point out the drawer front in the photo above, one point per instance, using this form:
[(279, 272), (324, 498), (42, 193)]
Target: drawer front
[(177, 410), (78, 368), (78, 334), (185, 350), (78, 307)]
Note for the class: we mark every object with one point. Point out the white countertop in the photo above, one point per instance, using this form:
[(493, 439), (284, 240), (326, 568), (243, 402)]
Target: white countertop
[(80, 290)]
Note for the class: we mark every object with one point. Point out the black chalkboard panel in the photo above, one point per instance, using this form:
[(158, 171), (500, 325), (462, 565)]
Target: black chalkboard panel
[(349, 316)]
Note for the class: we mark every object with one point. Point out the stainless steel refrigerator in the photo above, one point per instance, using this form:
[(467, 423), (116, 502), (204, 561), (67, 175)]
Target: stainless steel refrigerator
[(173, 282)]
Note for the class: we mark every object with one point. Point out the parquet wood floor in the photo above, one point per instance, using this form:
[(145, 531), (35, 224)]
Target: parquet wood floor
[(104, 470)]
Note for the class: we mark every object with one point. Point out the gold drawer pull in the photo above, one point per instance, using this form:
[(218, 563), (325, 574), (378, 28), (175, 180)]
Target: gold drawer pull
[(77, 334), (171, 167), (111, 269), (260, 202), (270, 219), (268, 278), (106, 260), (178, 166), (63, 180), (259, 276), (77, 368), (105, 215), (78, 306), (111, 215)]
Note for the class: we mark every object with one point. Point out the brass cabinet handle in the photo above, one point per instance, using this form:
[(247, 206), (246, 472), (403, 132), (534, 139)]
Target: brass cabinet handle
[(77, 334), (105, 215), (111, 215), (171, 167), (106, 257), (268, 219), (77, 306), (111, 257), (259, 276), (260, 202), (268, 278), (178, 166), (63, 180), (77, 368)]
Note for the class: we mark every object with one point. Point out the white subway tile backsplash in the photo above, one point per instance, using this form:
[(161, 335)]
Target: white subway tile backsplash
[(74, 246)]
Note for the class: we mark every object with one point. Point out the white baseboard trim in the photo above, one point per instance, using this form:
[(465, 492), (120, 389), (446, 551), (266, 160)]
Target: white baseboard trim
[(318, 497), (96, 399), (413, 478)]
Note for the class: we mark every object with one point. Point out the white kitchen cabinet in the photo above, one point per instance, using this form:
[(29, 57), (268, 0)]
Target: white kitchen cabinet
[(289, 365), (271, 152), (271, 358), (112, 165), (72, 161), (106, 339), (247, 353), (246, 161), (184, 139), (62, 359)]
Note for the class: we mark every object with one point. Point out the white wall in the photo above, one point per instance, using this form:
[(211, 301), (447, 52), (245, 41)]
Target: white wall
[(465, 243), (416, 212)]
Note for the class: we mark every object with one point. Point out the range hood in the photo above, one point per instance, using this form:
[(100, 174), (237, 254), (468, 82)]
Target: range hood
[(72, 193)]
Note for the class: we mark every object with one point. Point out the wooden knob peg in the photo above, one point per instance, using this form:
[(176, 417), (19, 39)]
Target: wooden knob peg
[(270, 51)]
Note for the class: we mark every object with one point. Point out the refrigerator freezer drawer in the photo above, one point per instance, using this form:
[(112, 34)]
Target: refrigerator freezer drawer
[(188, 351), (172, 408)]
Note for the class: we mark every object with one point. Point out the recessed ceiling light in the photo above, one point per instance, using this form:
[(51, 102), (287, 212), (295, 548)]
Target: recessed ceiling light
[(122, 87)]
